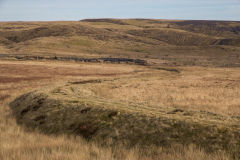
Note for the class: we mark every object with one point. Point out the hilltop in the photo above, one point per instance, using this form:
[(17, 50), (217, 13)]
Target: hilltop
[(174, 42)]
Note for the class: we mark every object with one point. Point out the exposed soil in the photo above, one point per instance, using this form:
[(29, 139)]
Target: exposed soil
[(94, 60)]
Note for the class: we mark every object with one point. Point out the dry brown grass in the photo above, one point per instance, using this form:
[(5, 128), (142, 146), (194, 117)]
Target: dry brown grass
[(184, 43), (17, 143), (190, 42), (210, 89)]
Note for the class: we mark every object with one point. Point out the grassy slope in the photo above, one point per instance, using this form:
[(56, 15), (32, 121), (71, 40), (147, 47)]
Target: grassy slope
[(94, 118), (187, 41), (148, 106), (161, 42), (19, 77)]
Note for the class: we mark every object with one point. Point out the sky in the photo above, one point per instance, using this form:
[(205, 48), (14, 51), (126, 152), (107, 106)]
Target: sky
[(54, 10)]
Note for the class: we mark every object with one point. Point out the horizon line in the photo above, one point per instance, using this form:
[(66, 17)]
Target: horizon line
[(121, 19)]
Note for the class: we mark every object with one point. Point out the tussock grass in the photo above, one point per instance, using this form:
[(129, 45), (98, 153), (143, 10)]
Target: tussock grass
[(18, 143), (172, 89), (74, 109)]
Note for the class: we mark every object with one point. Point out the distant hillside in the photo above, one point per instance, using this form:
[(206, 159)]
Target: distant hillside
[(129, 38)]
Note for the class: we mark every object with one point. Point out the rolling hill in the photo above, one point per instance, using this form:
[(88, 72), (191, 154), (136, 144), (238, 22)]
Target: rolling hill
[(191, 42)]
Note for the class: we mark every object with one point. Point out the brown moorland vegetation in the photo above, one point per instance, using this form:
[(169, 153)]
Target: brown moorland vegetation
[(202, 43), (50, 147), (186, 98)]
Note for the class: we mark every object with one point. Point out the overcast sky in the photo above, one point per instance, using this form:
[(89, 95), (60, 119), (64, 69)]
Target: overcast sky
[(49, 10)]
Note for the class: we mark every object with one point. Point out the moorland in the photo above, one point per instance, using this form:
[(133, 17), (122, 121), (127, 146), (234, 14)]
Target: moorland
[(120, 89)]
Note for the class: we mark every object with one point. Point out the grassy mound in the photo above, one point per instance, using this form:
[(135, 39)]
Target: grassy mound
[(75, 109), (175, 37), (49, 31)]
